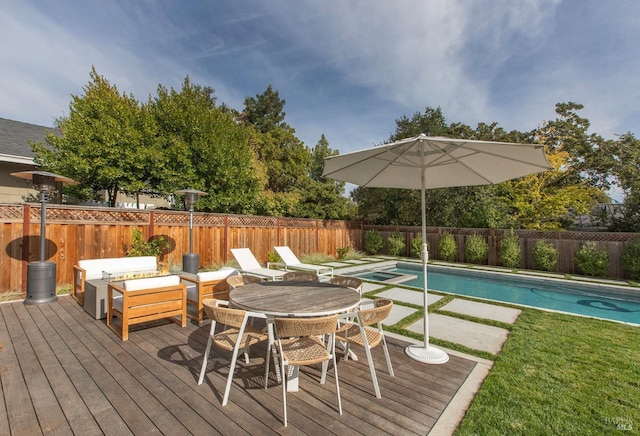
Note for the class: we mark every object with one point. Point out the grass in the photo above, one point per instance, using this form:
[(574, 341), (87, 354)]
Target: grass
[(560, 374)]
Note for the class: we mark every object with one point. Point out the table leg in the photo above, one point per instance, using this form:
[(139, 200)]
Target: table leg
[(293, 371)]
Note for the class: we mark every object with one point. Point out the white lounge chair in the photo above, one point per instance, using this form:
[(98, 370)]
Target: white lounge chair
[(250, 265), (290, 261)]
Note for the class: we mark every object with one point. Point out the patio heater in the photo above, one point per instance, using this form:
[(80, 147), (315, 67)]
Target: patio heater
[(190, 260), (41, 275)]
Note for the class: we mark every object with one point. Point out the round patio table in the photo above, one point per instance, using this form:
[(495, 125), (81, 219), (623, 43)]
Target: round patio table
[(293, 298)]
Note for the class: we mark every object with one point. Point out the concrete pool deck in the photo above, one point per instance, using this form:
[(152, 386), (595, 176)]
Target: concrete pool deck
[(473, 335)]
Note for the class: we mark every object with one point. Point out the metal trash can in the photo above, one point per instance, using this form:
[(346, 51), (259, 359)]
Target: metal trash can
[(41, 283)]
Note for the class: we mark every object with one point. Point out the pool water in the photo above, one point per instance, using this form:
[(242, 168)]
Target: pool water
[(583, 299)]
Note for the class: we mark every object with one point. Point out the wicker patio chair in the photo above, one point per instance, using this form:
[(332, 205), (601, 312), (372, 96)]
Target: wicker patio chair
[(301, 276), (237, 281), (238, 336), (366, 331), (348, 282), (300, 343)]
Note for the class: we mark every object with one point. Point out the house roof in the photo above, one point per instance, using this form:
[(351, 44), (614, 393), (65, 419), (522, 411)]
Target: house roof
[(15, 137)]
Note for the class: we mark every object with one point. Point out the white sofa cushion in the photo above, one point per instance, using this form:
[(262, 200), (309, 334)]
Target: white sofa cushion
[(95, 267), (151, 282), (220, 274)]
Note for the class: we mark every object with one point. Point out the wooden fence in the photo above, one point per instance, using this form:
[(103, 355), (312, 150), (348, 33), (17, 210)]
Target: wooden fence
[(74, 233)]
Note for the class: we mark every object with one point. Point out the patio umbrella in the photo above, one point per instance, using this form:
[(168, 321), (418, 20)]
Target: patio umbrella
[(423, 163)]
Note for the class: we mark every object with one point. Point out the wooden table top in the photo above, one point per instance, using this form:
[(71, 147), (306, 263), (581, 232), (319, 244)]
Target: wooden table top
[(294, 298)]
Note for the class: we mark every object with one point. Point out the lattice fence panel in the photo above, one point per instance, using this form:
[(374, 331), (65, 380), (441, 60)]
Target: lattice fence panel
[(59, 214), (11, 213), (251, 221)]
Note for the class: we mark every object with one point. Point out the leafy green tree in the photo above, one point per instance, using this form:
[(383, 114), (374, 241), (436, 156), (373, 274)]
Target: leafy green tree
[(107, 143), (321, 197), (625, 173), (265, 111), (207, 149), (546, 200)]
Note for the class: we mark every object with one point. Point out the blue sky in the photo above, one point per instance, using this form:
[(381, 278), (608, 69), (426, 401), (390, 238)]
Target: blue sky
[(347, 69)]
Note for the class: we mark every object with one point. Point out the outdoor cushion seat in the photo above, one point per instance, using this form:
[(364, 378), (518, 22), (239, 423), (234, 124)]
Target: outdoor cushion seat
[(93, 269), (208, 284), (141, 300)]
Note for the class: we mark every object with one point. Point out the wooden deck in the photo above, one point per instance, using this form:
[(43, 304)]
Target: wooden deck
[(62, 371)]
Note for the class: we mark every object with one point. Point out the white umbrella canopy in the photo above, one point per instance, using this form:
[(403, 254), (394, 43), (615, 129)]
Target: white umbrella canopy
[(424, 162)]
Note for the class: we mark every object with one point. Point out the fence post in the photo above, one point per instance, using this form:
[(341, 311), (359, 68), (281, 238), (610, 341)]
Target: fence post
[(225, 244), (151, 224)]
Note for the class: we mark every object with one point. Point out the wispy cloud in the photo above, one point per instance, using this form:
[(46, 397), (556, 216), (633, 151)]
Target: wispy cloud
[(346, 69)]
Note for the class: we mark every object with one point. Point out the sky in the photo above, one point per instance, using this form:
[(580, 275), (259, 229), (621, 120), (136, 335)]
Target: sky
[(345, 68)]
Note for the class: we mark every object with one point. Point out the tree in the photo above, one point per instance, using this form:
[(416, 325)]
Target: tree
[(321, 197), (625, 173), (265, 111), (207, 149), (106, 142)]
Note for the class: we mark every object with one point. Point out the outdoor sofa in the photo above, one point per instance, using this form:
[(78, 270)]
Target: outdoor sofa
[(89, 284)]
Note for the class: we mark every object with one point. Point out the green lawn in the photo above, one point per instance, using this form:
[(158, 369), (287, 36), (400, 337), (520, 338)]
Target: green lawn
[(561, 374)]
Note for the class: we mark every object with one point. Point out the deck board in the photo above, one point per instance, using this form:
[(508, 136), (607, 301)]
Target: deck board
[(62, 371)]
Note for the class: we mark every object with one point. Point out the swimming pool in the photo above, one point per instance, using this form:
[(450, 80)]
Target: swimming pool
[(608, 302)]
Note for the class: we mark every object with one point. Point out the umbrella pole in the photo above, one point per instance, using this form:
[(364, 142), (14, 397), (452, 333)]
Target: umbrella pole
[(425, 353)]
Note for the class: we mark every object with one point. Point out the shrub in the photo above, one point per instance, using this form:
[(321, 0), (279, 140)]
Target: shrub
[(343, 252), (373, 242), (510, 250), (448, 247), (477, 249), (273, 257), (140, 247), (591, 260), (631, 258), (416, 246), (396, 244), (545, 256)]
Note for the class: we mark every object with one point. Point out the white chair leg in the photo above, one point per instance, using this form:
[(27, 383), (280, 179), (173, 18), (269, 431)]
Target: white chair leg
[(232, 367), (204, 362), (284, 391), (206, 352), (372, 369), (335, 371), (266, 366), (386, 353)]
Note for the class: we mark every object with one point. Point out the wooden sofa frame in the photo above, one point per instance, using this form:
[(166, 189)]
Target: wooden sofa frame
[(80, 275), (147, 305), (216, 289)]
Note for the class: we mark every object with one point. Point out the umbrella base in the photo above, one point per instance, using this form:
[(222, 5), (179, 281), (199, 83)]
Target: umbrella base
[(426, 354)]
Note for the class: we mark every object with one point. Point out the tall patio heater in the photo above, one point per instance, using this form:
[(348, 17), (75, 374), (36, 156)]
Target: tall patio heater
[(190, 260), (41, 275)]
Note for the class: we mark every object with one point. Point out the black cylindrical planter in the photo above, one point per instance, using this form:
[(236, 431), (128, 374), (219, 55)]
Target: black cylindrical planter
[(41, 283), (190, 262)]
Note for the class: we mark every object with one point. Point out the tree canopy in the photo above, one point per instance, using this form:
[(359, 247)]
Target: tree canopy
[(252, 162)]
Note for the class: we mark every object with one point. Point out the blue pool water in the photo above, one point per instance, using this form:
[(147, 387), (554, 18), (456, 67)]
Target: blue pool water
[(612, 303)]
